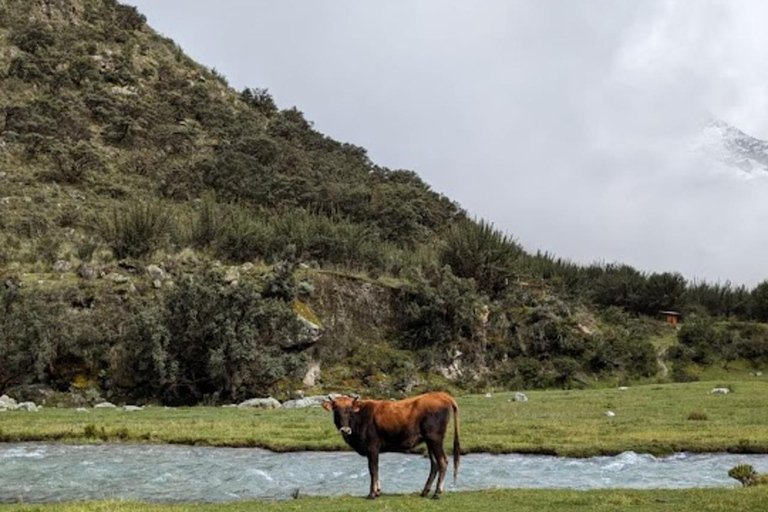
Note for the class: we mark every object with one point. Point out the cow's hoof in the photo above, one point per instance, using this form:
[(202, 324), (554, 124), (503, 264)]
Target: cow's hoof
[(435, 496), (424, 494), (371, 497)]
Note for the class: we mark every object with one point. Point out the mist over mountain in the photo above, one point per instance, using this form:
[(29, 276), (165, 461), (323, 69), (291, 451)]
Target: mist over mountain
[(731, 146)]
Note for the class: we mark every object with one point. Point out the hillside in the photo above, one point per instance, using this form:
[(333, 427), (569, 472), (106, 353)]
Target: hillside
[(164, 237)]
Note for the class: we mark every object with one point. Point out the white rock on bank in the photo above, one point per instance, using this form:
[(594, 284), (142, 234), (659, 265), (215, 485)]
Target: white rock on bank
[(520, 397), (719, 391), (132, 408), (105, 405), (81, 409), (623, 388), (302, 403), (7, 403), (260, 403), (27, 406)]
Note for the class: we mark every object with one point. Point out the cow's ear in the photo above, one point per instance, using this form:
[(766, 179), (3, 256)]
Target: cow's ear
[(327, 405)]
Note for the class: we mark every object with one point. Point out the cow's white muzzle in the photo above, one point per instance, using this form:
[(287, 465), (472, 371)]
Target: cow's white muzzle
[(345, 431)]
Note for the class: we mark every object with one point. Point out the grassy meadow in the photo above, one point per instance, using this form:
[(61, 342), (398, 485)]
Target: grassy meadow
[(651, 418), (697, 500)]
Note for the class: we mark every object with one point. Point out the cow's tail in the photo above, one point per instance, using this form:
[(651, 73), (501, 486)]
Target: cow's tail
[(456, 443)]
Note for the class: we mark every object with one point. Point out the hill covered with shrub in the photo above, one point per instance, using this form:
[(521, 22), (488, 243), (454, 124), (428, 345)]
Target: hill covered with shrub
[(164, 237)]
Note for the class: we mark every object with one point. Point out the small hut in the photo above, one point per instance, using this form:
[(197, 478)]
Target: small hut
[(671, 317)]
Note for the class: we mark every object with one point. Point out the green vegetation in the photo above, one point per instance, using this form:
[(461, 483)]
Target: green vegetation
[(698, 500), (747, 476), (121, 155), (649, 419)]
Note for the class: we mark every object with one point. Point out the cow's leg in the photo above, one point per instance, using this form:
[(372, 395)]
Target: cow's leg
[(373, 469), (432, 470), (442, 464)]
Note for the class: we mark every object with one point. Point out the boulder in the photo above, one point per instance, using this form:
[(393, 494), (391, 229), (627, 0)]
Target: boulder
[(157, 283), (88, 272), (81, 409), (156, 273), (62, 266), (246, 267), (520, 397), (28, 406), (260, 403), (132, 408), (118, 278), (105, 405), (623, 388), (232, 276), (312, 375), (610, 414), (302, 403), (720, 391), (488, 395), (7, 403)]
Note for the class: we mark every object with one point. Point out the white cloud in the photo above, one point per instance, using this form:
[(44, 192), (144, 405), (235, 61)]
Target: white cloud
[(565, 123)]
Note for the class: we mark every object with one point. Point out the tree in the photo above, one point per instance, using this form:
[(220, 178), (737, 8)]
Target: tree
[(759, 300)]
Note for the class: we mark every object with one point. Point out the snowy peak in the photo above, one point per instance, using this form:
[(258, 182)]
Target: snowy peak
[(729, 145)]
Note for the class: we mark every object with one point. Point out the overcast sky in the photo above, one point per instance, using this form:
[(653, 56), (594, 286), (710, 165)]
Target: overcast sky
[(566, 123)]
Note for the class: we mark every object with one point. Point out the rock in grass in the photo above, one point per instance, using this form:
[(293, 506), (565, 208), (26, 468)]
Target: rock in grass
[(309, 401), (610, 414), (105, 405), (88, 272), (155, 273), (260, 403), (27, 406), (7, 403), (520, 397), (132, 408), (62, 266), (81, 409), (623, 388), (719, 391)]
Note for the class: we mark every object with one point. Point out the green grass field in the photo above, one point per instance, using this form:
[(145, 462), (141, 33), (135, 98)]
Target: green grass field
[(706, 500), (650, 418)]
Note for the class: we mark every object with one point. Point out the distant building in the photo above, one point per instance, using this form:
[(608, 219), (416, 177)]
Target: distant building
[(671, 317)]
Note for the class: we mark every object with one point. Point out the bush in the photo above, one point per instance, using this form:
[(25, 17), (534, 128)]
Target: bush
[(438, 311), (697, 416), (476, 250), (227, 340), (137, 230), (747, 475), (74, 164)]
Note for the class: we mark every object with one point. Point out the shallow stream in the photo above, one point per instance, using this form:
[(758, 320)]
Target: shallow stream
[(35, 472)]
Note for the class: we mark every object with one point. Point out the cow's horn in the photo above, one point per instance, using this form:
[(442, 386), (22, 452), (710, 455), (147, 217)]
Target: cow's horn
[(355, 398)]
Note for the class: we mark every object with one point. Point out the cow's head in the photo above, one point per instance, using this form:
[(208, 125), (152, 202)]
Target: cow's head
[(344, 408)]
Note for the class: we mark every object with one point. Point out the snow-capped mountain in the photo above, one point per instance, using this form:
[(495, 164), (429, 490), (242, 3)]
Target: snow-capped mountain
[(726, 144)]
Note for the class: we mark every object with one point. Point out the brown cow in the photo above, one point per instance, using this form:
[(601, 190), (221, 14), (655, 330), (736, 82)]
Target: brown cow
[(372, 427)]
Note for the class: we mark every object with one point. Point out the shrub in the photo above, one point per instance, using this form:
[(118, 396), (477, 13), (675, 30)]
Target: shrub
[(90, 431), (136, 230), (228, 340), (438, 311), (74, 164), (747, 475), (697, 416), (478, 251)]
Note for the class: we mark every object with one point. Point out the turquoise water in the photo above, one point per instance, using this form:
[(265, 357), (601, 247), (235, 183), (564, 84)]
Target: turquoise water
[(33, 472)]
